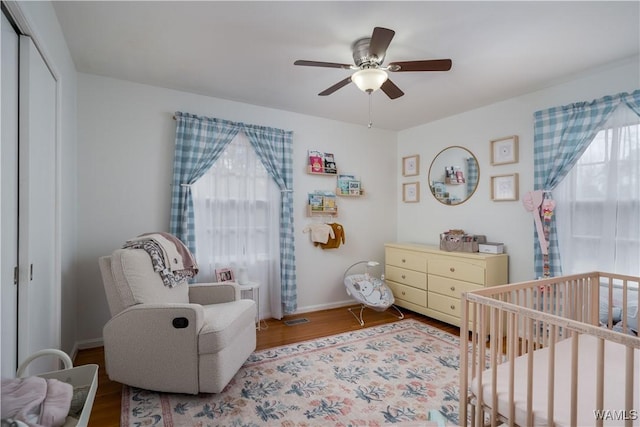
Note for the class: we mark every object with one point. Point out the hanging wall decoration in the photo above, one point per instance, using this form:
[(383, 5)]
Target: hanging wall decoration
[(504, 150), (411, 192), (411, 165), (504, 187)]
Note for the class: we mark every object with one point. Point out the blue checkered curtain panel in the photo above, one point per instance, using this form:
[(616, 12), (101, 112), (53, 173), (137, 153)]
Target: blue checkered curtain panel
[(561, 135), (275, 149), (473, 174), (199, 143)]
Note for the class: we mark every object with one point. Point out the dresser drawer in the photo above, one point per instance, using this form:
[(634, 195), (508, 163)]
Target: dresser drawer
[(406, 277), (443, 304), (456, 269), (409, 294), (450, 287), (405, 259)]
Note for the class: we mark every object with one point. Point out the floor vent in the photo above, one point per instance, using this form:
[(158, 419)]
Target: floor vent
[(296, 321)]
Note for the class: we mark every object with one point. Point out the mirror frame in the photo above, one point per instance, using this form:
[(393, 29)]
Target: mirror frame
[(431, 180)]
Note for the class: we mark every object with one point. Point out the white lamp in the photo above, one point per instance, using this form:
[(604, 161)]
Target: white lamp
[(370, 79)]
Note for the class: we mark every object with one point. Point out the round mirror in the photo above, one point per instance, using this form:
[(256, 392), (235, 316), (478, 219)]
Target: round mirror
[(454, 175)]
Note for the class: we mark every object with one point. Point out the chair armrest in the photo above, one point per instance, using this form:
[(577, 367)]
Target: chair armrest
[(143, 340), (213, 293)]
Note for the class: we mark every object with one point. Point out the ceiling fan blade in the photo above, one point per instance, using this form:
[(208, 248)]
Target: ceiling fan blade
[(426, 65), (391, 89), (380, 40), (335, 87), (321, 64)]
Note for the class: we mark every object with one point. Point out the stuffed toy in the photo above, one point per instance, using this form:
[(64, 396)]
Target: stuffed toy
[(372, 295)]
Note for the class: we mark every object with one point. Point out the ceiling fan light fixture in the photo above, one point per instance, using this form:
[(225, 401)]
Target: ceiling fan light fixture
[(370, 79)]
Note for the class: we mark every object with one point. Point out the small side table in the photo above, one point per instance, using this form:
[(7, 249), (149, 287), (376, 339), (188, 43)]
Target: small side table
[(254, 288)]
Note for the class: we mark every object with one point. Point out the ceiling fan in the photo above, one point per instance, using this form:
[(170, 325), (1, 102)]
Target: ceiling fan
[(368, 55)]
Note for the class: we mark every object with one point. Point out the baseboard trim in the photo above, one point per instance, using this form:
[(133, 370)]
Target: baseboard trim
[(85, 344), (319, 307)]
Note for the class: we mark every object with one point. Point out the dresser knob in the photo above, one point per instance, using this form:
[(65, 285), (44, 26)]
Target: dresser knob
[(453, 288), (451, 269), (403, 293), (453, 307), (404, 277), (404, 260)]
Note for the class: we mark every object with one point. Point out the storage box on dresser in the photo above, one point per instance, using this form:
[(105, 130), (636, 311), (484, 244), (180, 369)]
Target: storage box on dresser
[(430, 281)]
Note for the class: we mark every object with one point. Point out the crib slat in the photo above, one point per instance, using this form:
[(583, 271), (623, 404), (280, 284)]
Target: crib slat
[(481, 359), (511, 347), (551, 378), (530, 374), (574, 379), (628, 386), (600, 380), (495, 339), (464, 363)]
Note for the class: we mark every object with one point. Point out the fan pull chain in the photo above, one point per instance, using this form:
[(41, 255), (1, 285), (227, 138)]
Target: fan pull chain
[(370, 123)]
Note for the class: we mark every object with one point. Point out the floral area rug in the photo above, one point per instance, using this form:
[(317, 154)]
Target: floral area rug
[(402, 373)]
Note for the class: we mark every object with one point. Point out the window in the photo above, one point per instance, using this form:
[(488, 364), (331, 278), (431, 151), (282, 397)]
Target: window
[(598, 202), (236, 206)]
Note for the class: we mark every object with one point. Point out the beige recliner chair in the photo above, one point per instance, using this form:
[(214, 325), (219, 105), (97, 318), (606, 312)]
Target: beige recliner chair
[(185, 339)]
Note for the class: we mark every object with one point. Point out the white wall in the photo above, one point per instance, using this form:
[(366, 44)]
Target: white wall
[(506, 222), (125, 153), (45, 30)]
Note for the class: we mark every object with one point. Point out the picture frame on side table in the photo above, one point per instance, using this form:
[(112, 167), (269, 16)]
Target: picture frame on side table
[(504, 187), (411, 165), (411, 192), (225, 275), (504, 150)]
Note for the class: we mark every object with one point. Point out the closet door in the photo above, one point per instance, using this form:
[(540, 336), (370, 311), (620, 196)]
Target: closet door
[(9, 196), (38, 287)]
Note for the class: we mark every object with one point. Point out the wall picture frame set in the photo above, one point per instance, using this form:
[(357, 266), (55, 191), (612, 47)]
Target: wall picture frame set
[(504, 151), (411, 167)]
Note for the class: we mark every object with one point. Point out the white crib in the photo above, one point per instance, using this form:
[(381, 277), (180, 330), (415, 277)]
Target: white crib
[(559, 351)]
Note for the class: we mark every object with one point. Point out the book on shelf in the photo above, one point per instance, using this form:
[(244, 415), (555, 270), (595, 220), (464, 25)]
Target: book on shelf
[(329, 163), (316, 161), (354, 188), (316, 201), (329, 201), (343, 183)]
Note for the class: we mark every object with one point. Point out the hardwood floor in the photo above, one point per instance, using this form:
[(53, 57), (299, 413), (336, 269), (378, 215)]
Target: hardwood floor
[(106, 406)]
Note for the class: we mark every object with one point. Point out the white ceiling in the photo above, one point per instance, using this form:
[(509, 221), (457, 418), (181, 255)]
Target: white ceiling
[(244, 51)]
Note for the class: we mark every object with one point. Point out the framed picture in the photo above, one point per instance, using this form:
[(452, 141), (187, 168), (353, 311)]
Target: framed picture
[(411, 192), (411, 165), (504, 187), (225, 275), (504, 150)]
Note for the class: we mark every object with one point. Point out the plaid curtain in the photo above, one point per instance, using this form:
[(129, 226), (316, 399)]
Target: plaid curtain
[(275, 149), (561, 136), (473, 174), (199, 143)]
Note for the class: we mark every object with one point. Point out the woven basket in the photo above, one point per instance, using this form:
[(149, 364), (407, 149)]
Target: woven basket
[(461, 242)]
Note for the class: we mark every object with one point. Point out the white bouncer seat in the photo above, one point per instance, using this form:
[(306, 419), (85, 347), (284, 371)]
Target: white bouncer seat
[(369, 291)]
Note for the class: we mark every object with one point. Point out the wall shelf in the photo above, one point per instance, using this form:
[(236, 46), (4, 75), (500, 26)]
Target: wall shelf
[(360, 194), (322, 212), (311, 172)]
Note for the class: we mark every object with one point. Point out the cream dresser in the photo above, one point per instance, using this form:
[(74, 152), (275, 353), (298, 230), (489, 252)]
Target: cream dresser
[(429, 281)]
